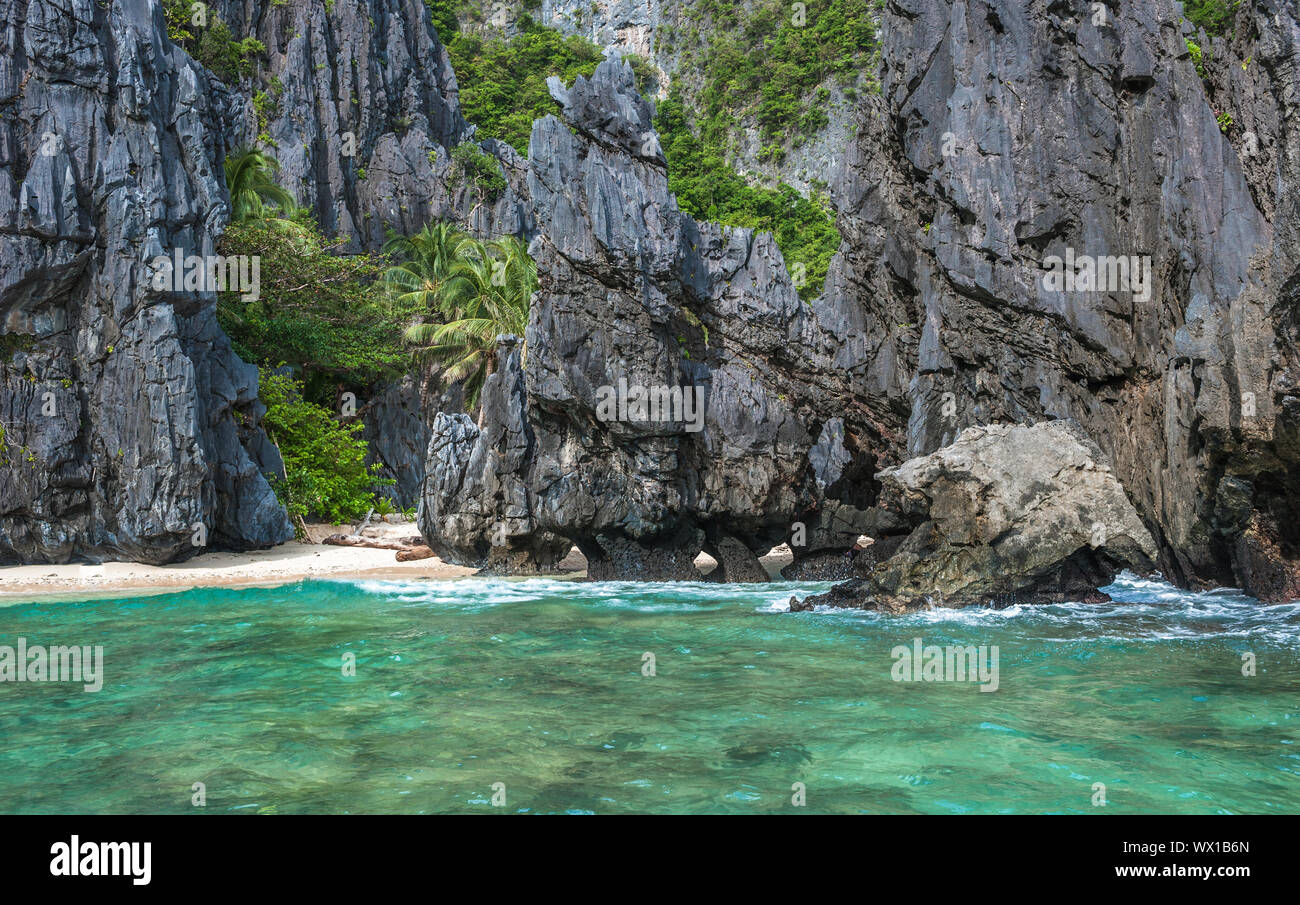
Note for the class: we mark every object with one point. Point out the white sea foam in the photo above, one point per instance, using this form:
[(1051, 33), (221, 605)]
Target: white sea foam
[(1141, 609)]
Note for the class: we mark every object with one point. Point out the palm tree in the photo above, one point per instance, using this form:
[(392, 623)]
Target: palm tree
[(487, 293), (250, 177), (426, 262)]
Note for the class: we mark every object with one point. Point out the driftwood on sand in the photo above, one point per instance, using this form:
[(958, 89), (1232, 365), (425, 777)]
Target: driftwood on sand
[(408, 548)]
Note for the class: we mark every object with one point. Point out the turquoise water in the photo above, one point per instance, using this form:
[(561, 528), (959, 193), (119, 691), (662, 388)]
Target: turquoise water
[(539, 685)]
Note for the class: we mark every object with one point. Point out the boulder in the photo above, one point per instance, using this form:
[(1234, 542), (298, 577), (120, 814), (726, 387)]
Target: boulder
[(1006, 514)]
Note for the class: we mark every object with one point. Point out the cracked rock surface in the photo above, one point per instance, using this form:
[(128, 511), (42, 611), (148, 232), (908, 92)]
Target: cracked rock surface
[(130, 427)]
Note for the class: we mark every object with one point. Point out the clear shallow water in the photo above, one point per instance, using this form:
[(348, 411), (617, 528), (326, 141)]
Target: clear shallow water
[(538, 685)]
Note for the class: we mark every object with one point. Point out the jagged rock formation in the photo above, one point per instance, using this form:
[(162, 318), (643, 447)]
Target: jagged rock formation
[(1006, 514), (1007, 136), (358, 103), (396, 431), (1034, 130), (664, 33), (635, 294), (127, 419), (476, 509), (361, 110)]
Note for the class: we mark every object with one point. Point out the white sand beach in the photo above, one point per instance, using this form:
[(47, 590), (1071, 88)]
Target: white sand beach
[(289, 562)]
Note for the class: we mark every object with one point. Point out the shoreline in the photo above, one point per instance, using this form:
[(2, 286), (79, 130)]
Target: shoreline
[(285, 564)]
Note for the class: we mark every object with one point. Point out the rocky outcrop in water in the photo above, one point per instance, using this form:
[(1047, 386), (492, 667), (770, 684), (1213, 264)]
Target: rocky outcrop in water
[(1037, 131), (127, 420), (1011, 143), (1007, 514), (1009, 140), (674, 381)]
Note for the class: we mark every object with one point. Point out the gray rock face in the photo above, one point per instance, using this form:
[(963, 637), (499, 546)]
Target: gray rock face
[(1006, 514), (637, 298), (127, 419), (362, 112), (664, 33), (361, 109), (397, 439), (1010, 139), (1024, 131), (475, 508)]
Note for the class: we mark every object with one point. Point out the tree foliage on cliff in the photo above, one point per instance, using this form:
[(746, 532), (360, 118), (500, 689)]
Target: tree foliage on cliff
[(503, 89), (324, 461), (709, 189), (1215, 16), (503, 82), (318, 311), (254, 193), (207, 38), (758, 62)]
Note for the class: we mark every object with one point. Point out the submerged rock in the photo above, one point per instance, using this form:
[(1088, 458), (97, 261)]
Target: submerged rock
[(1006, 514)]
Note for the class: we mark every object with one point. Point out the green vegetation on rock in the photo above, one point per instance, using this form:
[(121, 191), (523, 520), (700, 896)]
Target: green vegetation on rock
[(503, 82), (317, 310), (213, 43), (762, 66), (324, 461), (707, 188), (759, 63), (471, 164), (1215, 16)]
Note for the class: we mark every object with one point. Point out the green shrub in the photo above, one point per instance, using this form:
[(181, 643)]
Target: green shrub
[(503, 83), (471, 163), (326, 475), (709, 189), (213, 45), (1195, 50), (758, 63), (1215, 16), (317, 310)]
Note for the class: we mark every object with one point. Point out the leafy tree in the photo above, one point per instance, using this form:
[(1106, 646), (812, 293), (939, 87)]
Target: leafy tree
[(486, 294), (481, 170), (326, 475), (214, 44), (317, 310), (254, 193), (1215, 16)]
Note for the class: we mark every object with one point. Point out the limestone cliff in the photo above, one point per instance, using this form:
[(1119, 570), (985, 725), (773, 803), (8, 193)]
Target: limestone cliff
[(130, 428)]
